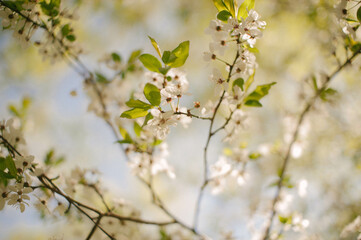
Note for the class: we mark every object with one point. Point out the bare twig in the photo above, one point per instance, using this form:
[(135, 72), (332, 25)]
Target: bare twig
[(205, 160)]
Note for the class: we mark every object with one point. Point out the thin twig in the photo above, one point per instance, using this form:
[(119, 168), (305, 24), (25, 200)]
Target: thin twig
[(205, 160)]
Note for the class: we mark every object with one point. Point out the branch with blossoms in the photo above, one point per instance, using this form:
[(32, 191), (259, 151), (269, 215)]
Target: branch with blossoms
[(321, 92), (24, 171), (149, 113), (286, 159)]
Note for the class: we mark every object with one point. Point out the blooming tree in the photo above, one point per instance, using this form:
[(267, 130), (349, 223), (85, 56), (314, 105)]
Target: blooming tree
[(141, 122)]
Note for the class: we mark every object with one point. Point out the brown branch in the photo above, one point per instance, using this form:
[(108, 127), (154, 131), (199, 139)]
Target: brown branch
[(286, 159)]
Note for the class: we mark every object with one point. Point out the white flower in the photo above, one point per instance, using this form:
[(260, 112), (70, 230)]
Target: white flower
[(208, 109), (220, 43), (235, 124), (209, 56), (234, 97), (233, 25), (23, 163), (160, 123), (60, 209), (299, 223), (19, 196), (4, 195), (340, 9), (218, 174), (215, 29), (156, 79), (220, 81), (143, 164)]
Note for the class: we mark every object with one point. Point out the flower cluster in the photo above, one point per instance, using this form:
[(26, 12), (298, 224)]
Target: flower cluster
[(232, 166), (16, 171), (25, 17)]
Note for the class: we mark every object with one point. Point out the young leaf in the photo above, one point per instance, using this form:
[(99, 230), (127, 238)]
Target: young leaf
[(260, 92), (220, 5), (134, 113), (150, 62), (10, 164), (181, 52), (246, 6), (168, 57), (253, 103), (138, 104), (137, 129), (230, 6), (65, 30), (71, 37), (238, 82), (147, 118), (50, 9), (224, 15), (134, 55), (249, 81), (116, 57), (152, 94), (126, 137), (156, 46), (327, 93), (100, 78), (359, 14)]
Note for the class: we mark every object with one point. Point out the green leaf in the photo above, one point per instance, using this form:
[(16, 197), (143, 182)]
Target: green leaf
[(359, 14), (116, 57), (168, 57), (254, 155), (150, 62), (230, 6), (12, 108), (152, 94), (327, 93), (224, 15), (356, 47), (219, 4), (49, 156), (147, 118), (134, 113), (100, 78), (26, 103), (65, 30), (50, 8), (238, 82), (258, 94), (164, 70), (137, 129), (138, 104), (285, 220), (71, 37), (253, 103), (156, 46), (249, 81), (157, 142), (10, 164), (181, 52), (134, 55), (126, 137), (246, 6), (2, 164)]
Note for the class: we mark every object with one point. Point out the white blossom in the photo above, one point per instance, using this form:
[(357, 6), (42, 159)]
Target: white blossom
[(160, 123)]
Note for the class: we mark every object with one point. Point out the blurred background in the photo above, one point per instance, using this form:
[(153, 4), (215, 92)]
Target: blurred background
[(300, 40)]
